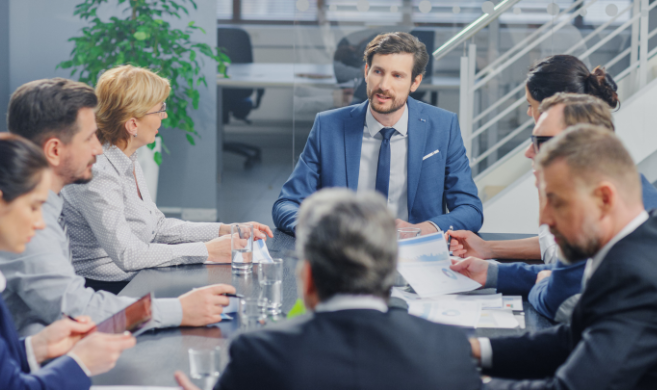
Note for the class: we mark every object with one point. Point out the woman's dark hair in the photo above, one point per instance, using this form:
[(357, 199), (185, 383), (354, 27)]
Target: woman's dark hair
[(21, 166), (564, 73)]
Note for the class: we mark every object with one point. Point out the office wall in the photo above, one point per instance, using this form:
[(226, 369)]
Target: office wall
[(38, 34)]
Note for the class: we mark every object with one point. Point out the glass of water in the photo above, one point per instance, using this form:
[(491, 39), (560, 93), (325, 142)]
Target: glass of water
[(270, 275), (241, 245), (251, 314), (404, 233), (203, 366)]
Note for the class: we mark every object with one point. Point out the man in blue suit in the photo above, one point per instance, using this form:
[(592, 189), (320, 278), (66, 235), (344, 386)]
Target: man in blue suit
[(410, 152)]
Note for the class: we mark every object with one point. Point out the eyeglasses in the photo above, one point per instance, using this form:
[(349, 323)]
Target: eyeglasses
[(538, 140), (162, 111)]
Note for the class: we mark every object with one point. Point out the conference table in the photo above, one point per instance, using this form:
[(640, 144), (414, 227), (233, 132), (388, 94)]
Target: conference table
[(160, 352)]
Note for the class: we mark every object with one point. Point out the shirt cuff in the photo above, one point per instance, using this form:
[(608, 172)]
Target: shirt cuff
[(486, 351), (191, 253), (436, 226), (492, 275), (167, 313), (79, 362), (31, 359)]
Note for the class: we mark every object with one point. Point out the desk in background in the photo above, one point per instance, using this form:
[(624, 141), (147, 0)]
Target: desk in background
[(288, 75)]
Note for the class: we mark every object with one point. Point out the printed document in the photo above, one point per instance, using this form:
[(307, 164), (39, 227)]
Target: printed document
[(424, 263), (450, 312)]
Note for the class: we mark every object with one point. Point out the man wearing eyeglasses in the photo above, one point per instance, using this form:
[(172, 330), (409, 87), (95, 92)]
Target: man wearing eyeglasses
[(553, 287)]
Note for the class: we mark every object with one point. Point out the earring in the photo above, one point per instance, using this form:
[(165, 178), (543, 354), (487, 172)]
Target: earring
[(135, 134)]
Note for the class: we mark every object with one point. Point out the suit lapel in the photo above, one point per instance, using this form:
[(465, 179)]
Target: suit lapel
[(353, 142), (417, 136)]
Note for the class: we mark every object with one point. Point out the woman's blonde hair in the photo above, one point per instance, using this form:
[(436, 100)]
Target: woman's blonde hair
[(126, 92)]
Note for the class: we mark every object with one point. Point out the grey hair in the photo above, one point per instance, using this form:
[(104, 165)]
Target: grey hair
[(350, 241)]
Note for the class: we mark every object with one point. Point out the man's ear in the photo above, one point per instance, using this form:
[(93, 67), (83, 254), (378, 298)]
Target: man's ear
[(416, 83), (53, 149), (606, 196), (365, 70), (310, 296)]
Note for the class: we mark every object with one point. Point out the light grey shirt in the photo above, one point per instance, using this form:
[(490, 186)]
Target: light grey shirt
[(369, 161), (115, 233), (352, 302), (41, 283)]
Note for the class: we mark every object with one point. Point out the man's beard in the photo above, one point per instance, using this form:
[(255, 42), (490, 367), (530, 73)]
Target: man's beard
[(75, 178), (574, 253), (396, 105)]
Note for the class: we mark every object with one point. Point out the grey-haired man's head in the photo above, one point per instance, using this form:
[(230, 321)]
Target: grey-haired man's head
[(349, 242)]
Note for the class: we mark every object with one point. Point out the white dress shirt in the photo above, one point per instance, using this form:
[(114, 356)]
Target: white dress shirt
[(591, 265), (549, 247), (115, 233), (369, 161), (352, 302)]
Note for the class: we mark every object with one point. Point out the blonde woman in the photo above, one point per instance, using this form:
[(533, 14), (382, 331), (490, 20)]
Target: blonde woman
[(115, 227)]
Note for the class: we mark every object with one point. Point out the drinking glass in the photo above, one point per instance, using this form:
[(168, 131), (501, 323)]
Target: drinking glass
[(204, 366), (251, 314), (404, 233), (241, 245), (270, 275)]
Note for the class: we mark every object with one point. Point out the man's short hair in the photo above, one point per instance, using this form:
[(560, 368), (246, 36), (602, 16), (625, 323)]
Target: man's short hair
[(43, 109), (593, 153), (399, 42), (580, 108), (350, 241)]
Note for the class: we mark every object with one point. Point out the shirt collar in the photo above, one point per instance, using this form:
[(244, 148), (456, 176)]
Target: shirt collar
[(121, 162), (55, 202), (594, 263), (3, 282), (351, 302), (373, 126)]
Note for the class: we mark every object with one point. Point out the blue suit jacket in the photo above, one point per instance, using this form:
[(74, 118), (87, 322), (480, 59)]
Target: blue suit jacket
[(565, 280), (331, 158), (61, 374)]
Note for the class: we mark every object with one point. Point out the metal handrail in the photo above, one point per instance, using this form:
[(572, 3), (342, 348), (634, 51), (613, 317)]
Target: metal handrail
[(597, 30), (528, 39), (473, 28)]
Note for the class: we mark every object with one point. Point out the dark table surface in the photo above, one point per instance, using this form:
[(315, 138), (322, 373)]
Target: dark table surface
[(160, 352)]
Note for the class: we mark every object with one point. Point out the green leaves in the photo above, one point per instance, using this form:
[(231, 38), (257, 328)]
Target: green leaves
[(140, 36)]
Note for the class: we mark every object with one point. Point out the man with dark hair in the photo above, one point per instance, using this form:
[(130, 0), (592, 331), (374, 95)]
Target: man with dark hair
[(593, 207), (348, 246), (410, 152), (59, 115)]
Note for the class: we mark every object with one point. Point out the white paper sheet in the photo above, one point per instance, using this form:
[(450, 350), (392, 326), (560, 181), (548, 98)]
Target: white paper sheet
[(513, 302), (497, 319), (424, 263), (260, 254), (489, 301), (450, 312)]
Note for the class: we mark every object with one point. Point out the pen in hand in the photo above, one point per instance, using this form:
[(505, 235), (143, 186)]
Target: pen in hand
[(69, 317), (240, 296)]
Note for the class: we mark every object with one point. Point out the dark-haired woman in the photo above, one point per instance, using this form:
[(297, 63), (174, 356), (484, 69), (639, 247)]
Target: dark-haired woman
[(24, 182), (564, 73)]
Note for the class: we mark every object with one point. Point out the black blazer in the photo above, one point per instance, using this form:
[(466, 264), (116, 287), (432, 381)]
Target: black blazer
[(611, 342), (352, 349)]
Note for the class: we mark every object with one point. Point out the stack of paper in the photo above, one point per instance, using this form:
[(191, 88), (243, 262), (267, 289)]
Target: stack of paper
[(450, 312), (424, 263)]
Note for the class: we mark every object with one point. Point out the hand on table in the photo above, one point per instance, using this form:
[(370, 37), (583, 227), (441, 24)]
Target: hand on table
[(425, 227), (260, 231), (219, 249), (59, 337), (464, 243), (100, 351), (203, 306), (184, 382), (543, 274), (472, 267)]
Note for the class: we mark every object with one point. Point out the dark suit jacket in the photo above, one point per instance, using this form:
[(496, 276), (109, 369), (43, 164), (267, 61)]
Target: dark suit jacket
[(352, 349), (611, 342), (331, 158), (61, 374)]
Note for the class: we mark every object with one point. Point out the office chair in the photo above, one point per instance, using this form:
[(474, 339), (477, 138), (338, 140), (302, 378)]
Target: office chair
[(238, 101)]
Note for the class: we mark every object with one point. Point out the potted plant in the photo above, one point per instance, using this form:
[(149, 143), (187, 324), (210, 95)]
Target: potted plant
[(143, 38)]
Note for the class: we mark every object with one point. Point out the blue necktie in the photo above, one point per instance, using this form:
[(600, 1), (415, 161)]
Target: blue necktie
[(383, 168)]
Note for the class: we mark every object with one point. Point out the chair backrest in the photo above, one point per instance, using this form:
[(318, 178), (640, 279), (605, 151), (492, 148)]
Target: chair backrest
[(237, 44)]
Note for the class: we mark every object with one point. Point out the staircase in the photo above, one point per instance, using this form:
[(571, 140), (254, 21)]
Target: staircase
[(492, 117)]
